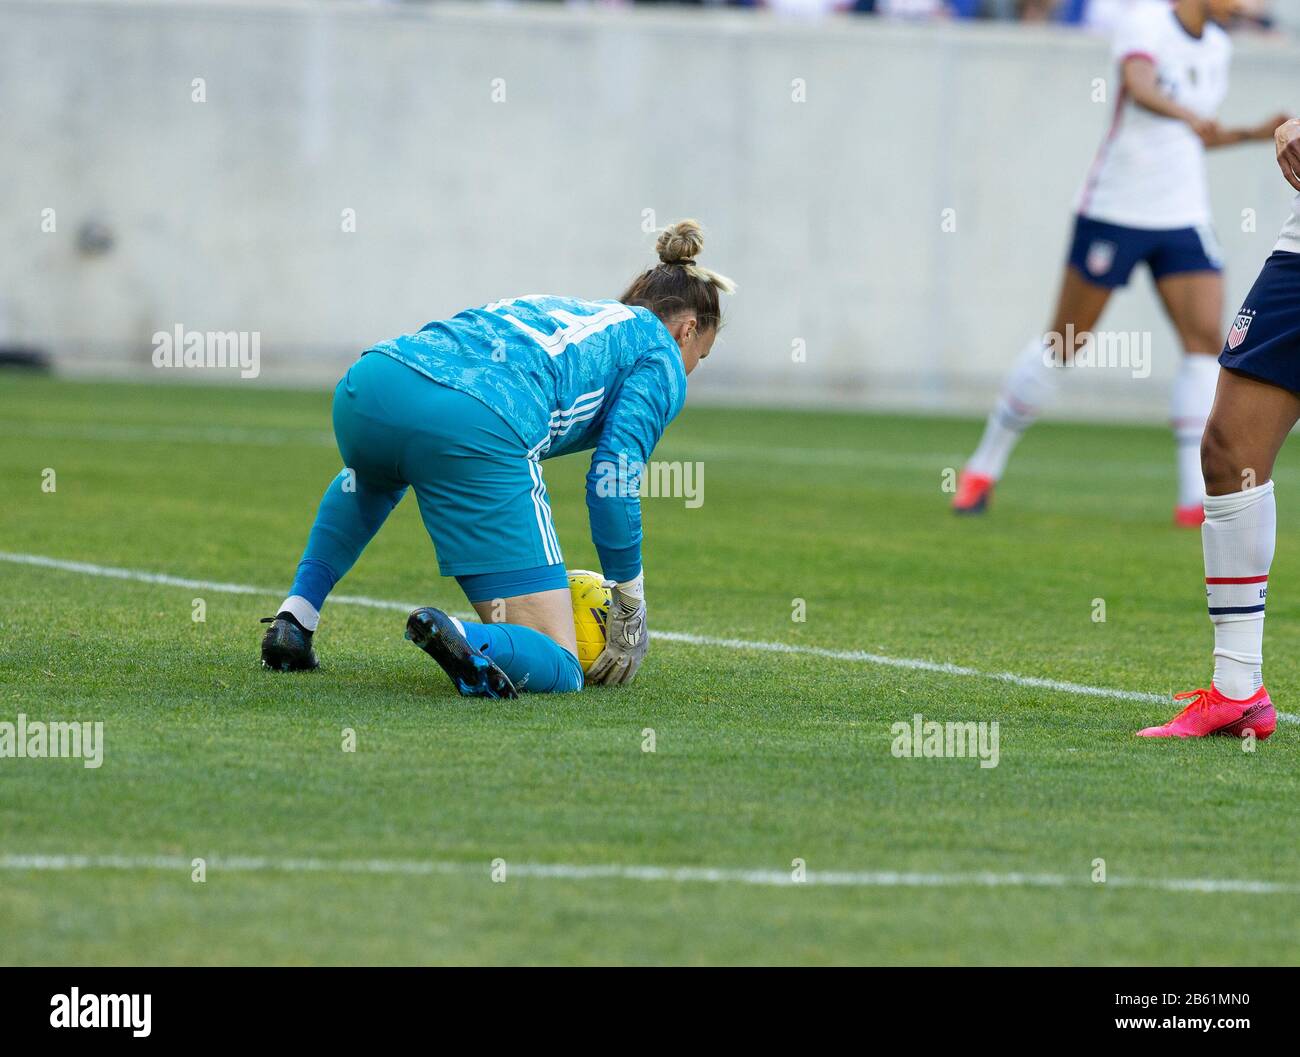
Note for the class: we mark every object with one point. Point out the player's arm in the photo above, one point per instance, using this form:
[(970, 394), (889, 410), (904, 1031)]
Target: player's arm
[(1287, 139), (646, 403), (1142, 86), (1249, 133)]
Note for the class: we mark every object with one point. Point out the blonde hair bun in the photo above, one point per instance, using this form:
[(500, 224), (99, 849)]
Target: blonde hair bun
[(677, 283), (680, 243)]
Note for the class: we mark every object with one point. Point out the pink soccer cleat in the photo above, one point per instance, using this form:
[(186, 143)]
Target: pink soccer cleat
[(974, 491), (1212, 713), (1189, 516)]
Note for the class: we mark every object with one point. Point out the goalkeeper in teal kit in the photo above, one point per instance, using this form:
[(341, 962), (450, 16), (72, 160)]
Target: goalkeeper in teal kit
[(463, 413)]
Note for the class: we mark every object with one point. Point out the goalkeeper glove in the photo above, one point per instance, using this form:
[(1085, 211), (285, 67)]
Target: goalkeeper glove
[(626, 637)]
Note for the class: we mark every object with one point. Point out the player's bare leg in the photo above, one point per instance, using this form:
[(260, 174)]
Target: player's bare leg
[(550, 612), (1249, 422), (1032, 383), (1080, 303), (1194, 303)]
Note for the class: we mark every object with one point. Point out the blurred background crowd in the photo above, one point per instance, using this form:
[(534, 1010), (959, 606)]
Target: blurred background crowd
[(1095, 15)]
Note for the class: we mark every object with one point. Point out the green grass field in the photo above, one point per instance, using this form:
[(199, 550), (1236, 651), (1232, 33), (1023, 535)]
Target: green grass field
[(761, 757)]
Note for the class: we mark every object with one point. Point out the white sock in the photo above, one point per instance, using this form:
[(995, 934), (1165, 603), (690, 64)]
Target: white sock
[(303, 611), (1032, 384), (1193, 396), (1238, 537)]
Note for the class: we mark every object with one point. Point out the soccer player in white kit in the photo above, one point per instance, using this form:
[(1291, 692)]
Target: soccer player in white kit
[(1145, 199), (1255, 409)]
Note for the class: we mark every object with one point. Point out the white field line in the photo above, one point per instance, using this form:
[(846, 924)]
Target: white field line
[(848, 656), (139, 576), (622, 872)]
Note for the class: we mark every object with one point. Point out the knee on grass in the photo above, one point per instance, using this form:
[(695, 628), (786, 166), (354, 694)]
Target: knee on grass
[(534, 661), (559, 673), (570, 677)]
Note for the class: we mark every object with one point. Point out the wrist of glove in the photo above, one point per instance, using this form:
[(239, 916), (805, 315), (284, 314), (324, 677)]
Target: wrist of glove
[(626, 636)]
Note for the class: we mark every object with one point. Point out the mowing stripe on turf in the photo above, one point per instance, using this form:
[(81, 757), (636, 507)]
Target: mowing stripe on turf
[(850, 656), (1027, 465), (617, 872)]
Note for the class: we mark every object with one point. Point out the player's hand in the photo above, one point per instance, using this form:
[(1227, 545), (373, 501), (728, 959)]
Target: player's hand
[(1287, 140), (626, 638), (1208, 130)]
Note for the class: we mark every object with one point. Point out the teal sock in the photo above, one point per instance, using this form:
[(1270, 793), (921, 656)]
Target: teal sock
[(533, 661)]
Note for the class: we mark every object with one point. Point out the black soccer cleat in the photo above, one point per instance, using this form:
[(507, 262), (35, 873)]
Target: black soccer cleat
[(286, 646), (473, 674)]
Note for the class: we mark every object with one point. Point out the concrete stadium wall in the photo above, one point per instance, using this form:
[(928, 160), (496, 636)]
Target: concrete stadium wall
[(227, 214)]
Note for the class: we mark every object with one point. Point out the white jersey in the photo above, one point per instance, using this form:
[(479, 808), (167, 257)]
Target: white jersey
[(1150, 170), (1289, 240)]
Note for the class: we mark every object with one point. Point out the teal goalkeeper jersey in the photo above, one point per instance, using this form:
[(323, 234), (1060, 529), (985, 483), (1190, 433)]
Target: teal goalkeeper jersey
[(567, 375)]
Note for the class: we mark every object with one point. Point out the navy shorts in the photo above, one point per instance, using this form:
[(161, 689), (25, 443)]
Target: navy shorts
[(1106, 254), (1264, 339)]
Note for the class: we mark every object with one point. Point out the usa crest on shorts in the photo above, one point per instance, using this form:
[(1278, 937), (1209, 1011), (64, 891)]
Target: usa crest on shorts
[(1239, 327), (1101, 255)]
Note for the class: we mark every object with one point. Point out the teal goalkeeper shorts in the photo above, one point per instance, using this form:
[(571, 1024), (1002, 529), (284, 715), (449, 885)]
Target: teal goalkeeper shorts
[(481, 497)]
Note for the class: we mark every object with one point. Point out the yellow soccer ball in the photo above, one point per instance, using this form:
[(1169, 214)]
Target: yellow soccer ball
[(590, 612)]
